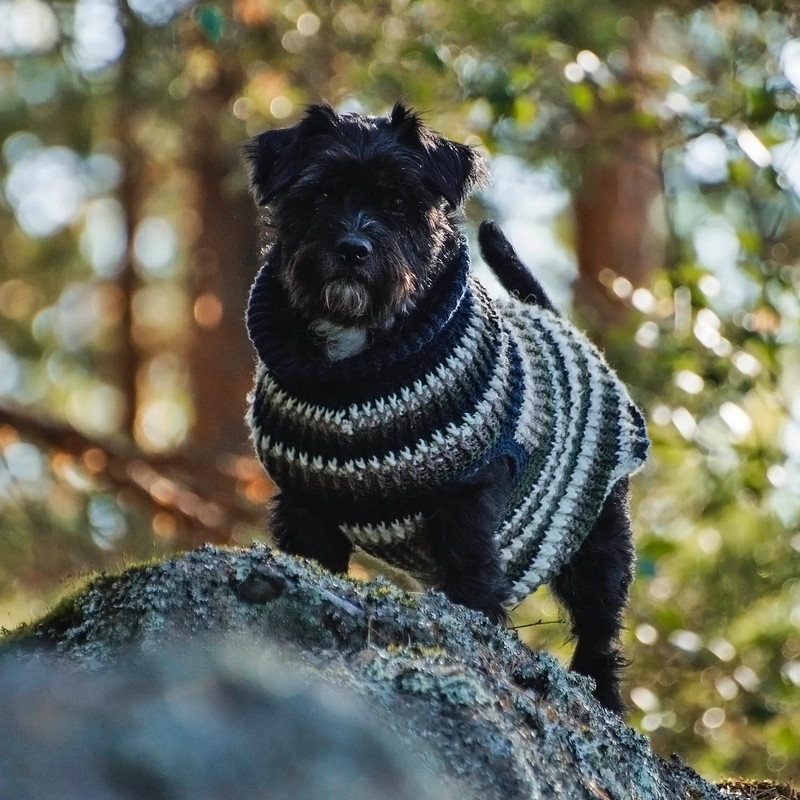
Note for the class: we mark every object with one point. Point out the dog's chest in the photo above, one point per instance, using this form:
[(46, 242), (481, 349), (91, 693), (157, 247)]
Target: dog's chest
[(340, 341)]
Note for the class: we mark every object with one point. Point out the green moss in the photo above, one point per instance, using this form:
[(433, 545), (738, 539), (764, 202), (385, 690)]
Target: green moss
[(68, 612), (417, 651), (380, 590), (407, 600), (65, 614)]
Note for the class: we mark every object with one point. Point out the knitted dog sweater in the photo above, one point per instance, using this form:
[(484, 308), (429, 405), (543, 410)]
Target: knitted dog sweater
[(376, 439)]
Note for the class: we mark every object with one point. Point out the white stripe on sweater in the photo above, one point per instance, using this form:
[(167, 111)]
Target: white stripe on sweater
[(551, 552), (516, 531), (398, 530), (530, 424)]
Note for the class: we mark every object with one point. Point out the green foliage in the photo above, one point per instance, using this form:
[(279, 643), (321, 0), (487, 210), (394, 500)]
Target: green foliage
[(708, 339)]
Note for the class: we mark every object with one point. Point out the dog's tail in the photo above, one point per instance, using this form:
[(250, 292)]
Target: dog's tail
[(503, 260)]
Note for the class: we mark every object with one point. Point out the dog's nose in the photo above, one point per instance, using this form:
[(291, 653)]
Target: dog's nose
[(353, 248)]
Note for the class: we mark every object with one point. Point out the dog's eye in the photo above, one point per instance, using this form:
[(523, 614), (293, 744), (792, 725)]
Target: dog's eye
[(396, 202)]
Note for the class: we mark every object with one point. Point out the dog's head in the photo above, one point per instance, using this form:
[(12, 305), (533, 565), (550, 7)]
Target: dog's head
[(361, 208)]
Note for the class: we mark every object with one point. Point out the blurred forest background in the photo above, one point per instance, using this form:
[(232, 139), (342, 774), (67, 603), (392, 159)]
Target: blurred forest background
[(646, 164)]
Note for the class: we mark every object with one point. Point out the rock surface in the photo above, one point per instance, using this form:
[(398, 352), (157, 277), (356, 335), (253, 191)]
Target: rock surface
[(208, 723), (494, 720)]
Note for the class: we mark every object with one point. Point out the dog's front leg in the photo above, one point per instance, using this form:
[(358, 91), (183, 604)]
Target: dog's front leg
[(461, 535), (302, 532)]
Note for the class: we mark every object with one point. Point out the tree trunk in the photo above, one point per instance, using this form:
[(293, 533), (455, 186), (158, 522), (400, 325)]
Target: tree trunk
[(223, 262), (131, 192), (619, 182), (613, 235)]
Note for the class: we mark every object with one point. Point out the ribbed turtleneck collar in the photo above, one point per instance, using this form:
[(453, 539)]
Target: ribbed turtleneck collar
[(284, 344)]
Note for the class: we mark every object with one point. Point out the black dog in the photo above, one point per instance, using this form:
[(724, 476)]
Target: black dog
[(483, 447)]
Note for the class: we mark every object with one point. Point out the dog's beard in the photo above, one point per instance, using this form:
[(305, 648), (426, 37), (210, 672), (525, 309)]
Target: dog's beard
[(346, 299)]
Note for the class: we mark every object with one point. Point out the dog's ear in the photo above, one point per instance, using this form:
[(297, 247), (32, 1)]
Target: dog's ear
[(320, 119), (406, 125), (273, 157), (276, 158), (450, 169), (453, 169)]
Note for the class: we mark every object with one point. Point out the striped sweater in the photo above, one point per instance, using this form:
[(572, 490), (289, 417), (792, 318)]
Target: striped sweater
[(377, 438)]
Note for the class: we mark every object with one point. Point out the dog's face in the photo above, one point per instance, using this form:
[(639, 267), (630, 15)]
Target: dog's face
[(361, 208)]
